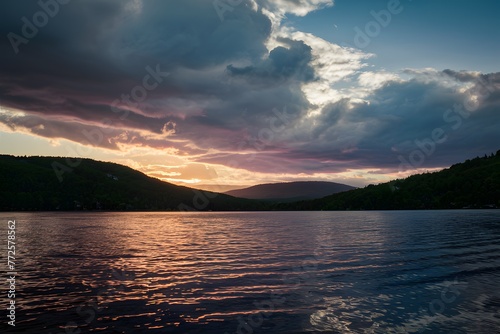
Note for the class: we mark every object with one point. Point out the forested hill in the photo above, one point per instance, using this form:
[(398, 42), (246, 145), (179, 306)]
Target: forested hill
[(52, 183), (472, 184), (290, 191)]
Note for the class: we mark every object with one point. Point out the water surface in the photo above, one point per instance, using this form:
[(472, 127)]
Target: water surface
[(264, 272)]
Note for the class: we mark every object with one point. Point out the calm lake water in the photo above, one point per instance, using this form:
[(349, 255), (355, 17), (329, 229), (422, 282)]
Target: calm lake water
[(264, 272)]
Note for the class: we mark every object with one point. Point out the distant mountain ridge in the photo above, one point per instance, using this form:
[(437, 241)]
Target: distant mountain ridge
[(290, 191)]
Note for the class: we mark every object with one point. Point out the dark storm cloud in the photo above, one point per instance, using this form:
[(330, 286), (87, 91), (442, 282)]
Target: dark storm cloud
[(282, 64), (400, 114), (94, 52), (167, 74), (392, 122)]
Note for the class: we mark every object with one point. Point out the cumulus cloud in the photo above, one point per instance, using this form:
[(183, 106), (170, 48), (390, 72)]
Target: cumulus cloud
[(173, 76), (296, 7), (281, 64)]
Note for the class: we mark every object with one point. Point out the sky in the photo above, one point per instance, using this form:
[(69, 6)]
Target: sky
[(229, 93)]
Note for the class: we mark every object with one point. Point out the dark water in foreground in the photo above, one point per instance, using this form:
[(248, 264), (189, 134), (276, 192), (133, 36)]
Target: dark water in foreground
[(291, 272)]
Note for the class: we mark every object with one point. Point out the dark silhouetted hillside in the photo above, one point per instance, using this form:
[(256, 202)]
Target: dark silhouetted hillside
[(31, 183), (472, 184)]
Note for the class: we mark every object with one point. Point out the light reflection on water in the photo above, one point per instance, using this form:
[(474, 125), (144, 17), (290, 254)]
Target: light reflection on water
[(266, 272)]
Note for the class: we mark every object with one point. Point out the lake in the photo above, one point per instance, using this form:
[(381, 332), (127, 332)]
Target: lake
[(255, 272)]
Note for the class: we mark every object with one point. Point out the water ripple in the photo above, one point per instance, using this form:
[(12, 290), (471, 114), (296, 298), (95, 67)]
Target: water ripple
[(269, 272)]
